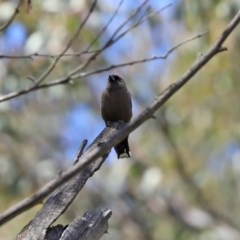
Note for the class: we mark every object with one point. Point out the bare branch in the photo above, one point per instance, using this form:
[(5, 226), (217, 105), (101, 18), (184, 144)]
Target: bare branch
[(67, 79), (103, 29), (64, 54), (80, 152), (5, 26), (63, 196), (146, 114), (29, 5), (139, 22), (109, 42), (116, 36), (120, 65), (70, 42), (90, 227), (112, 39)]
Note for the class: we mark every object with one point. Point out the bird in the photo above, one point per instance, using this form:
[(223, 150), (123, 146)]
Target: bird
[(116, 105)]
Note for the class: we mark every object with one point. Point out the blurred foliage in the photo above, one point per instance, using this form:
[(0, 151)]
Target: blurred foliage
[(182, 181)]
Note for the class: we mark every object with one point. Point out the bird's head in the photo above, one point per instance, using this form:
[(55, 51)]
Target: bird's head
[(115, 81)]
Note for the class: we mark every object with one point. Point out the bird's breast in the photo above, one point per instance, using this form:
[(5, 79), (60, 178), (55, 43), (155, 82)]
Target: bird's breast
[(116, 106)]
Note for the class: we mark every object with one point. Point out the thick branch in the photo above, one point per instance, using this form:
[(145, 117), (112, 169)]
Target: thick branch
[(62, 197), (90, 227)]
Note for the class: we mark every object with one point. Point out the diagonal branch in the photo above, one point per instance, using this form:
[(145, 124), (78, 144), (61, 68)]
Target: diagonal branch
[(109, 42), (48, 71), (146, 114), (63, 196), (5, 25), (103, 29)]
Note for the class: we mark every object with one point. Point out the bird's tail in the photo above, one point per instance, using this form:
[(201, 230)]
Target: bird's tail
[(122, 149)]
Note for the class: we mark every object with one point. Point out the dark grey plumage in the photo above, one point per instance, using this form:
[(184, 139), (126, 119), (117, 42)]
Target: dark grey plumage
[(116, 105)]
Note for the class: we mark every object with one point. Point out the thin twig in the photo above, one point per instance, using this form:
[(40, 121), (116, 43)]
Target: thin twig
[(67, 79), (146, 114), (117, 35), (70, 42), (104, 28), (80, 152), (113, 39), (29, 5), (120, 65), (140, 21), (32, 55), (108, 43), (16, 11)]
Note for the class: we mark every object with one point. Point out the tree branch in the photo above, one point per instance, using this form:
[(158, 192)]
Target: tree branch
[(68, 79), (90, 227), (64, 195), (5, 25), (143, 60), (48, 71)]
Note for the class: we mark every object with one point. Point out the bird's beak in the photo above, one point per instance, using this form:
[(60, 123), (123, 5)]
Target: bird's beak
[(111, 78)]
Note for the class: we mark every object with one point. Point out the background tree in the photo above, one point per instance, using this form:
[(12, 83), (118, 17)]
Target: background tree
[(182, 179)]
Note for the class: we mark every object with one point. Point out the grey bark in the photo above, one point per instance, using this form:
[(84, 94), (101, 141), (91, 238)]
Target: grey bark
[(63, 196)]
